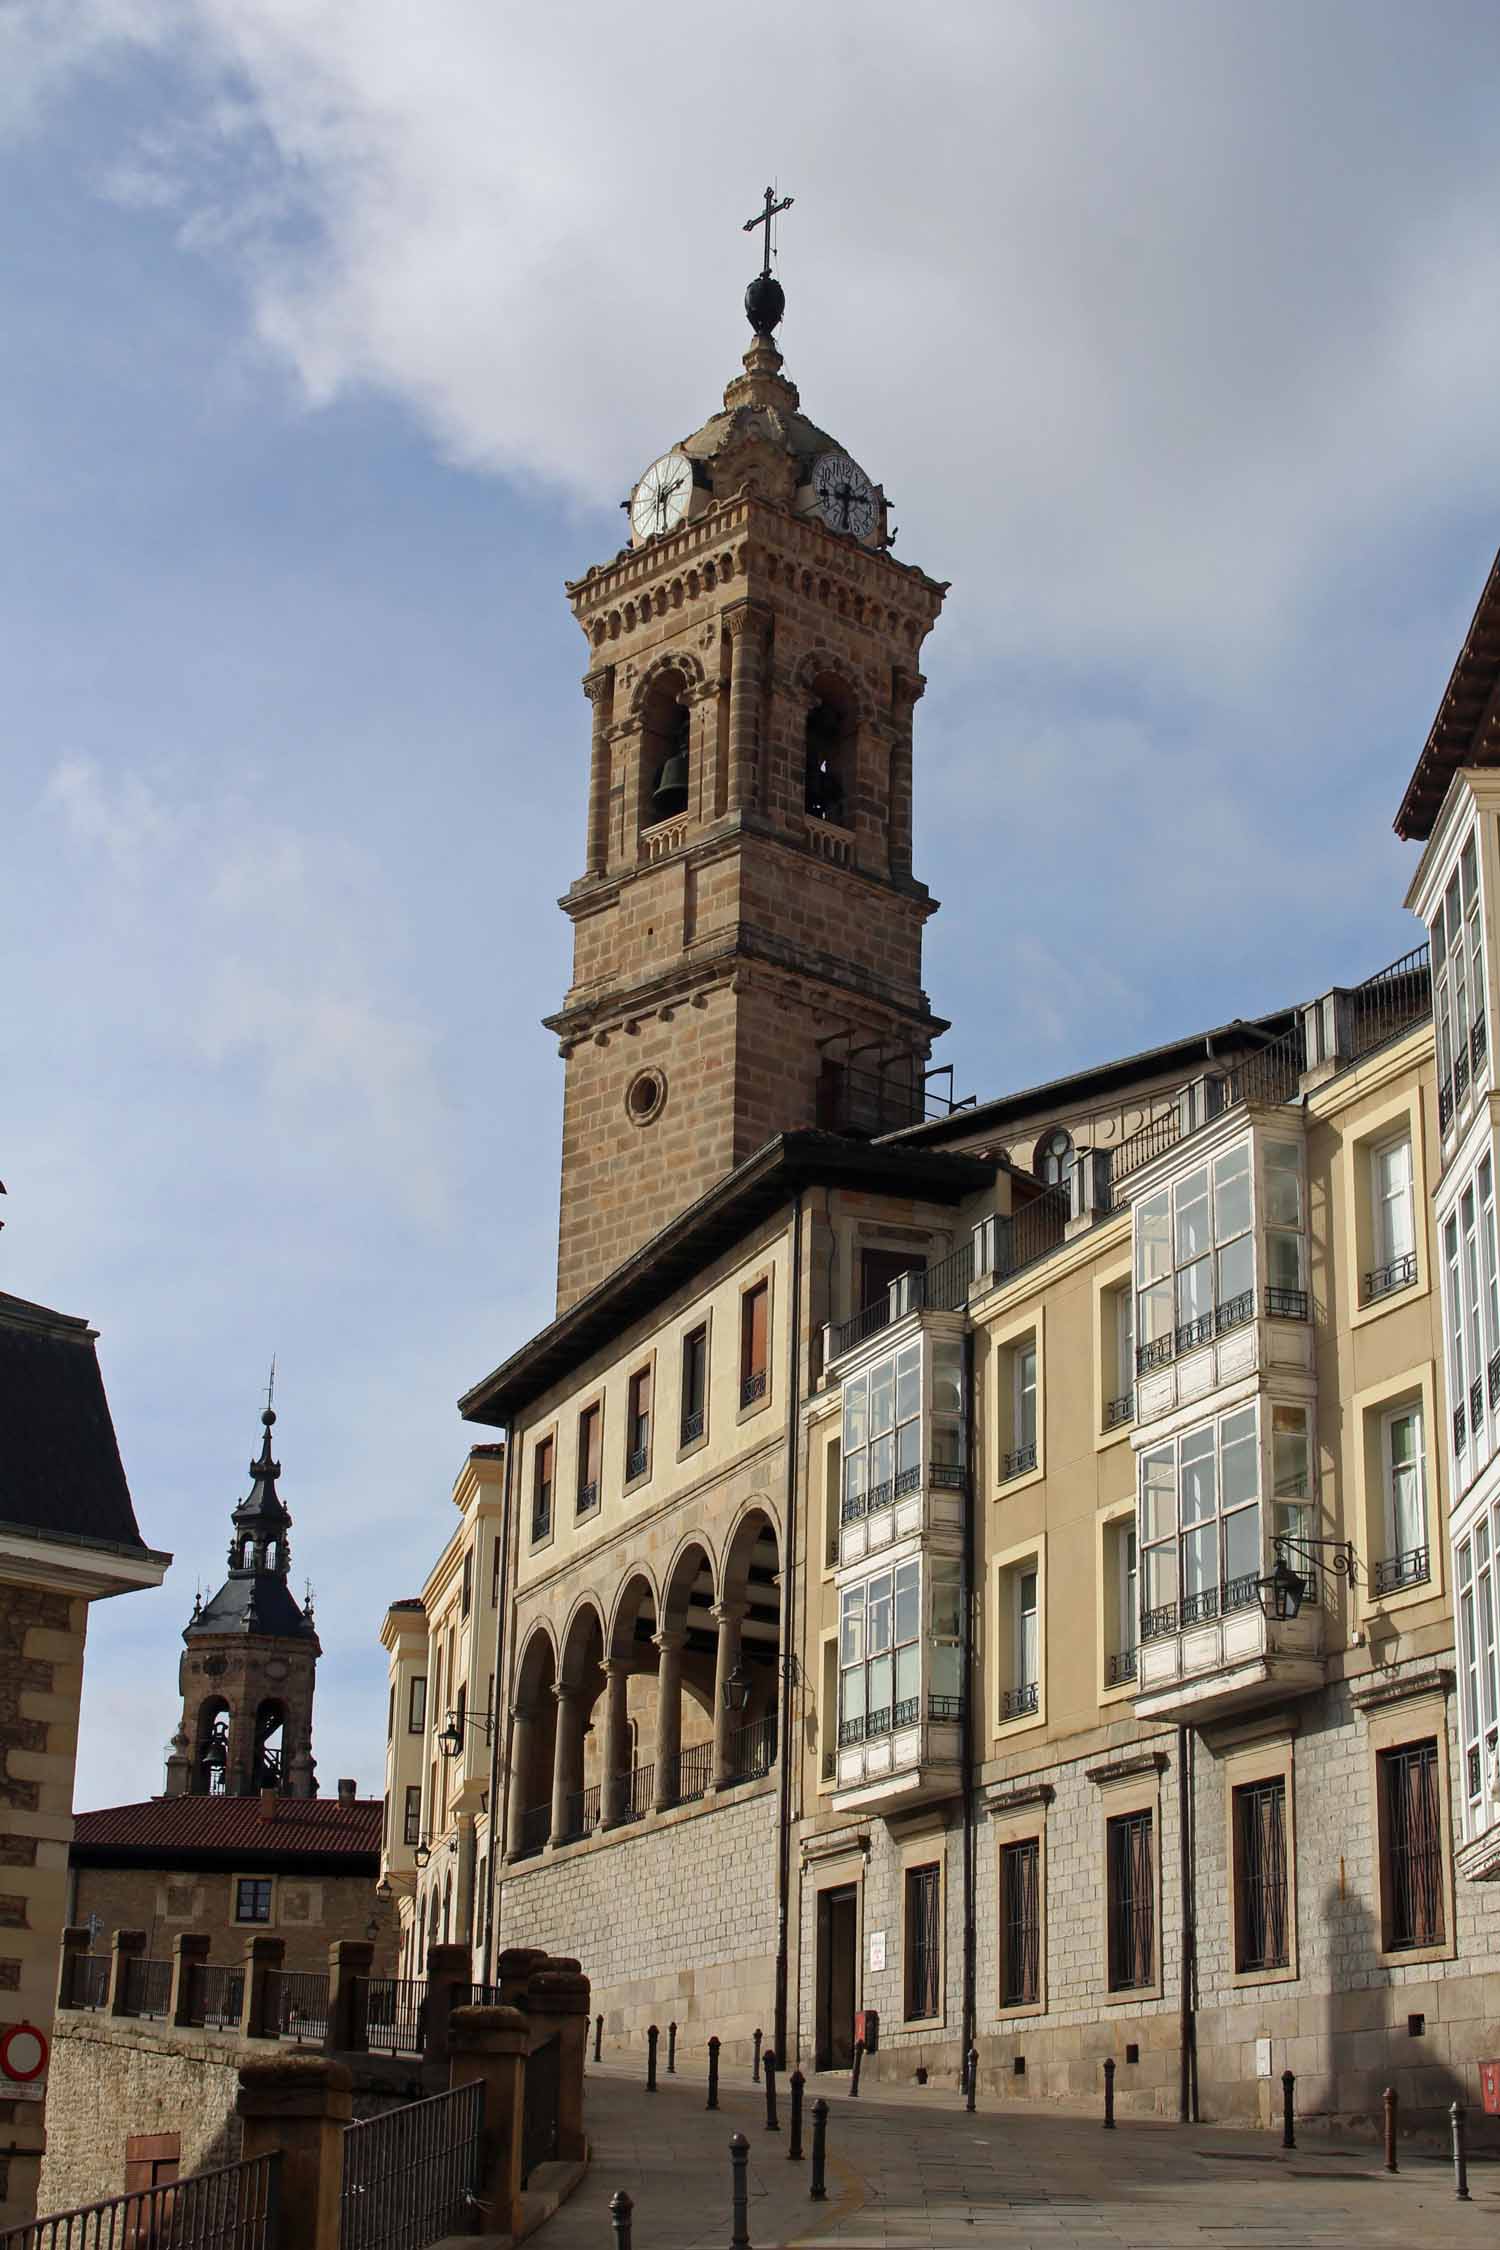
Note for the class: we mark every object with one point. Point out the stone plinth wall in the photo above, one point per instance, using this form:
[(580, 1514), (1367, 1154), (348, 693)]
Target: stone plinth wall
[(307, 1911), (676, 1922)]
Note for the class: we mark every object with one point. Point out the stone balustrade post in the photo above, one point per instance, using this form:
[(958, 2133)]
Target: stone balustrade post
[(557, 2001), (349, 1961), (299, 2104), (75, 1946), (190, 1949), (260, 2006), (489, 2044), (514, 1971), (128, 1946), (449, 1976)]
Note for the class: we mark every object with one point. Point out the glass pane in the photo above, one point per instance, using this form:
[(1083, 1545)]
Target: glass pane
[(909, 1670), (1469, 873), (1200, 1559), (947, 1377), (944, 1671), (1156, 1312), (1161, 1576), (852, 1625), (1283, 1185), (1237, 1269), (1242, 1543), (880, 1613), (909, 1446), (1289, 1452), (852, 1693), (855, 1473), (1232, 1192), (1239, 1474), (1153, 1239), (1158, 1494), (1199, 1477), (1453, 907), (856, 1411), (1195, 1291), (1192, 1216), (1284, 1261), (946, 1605), (880, 1683), (882, 1462), (947, 1444), (908, 1601), (882, 1396), (909, 1383), (1438, 939)]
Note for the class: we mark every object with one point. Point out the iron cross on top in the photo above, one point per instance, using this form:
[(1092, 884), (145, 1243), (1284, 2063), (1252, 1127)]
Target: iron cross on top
[(772, 210)]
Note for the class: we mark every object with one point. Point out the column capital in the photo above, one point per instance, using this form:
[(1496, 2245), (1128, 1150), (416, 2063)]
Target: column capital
[(616, 1667), (747, 617), (670, 1640), (567, 1691), (597, 686), (729, 1613)]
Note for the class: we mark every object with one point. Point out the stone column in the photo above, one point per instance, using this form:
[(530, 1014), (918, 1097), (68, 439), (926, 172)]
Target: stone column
[(523, 1736), (75, 1946), (905, 691), (260, 2009), (349, 1962), (489, 2044), (747, 625), (729, 1617), (668, 1717), (514, 1970), (557, 2001), (189, 1949), (299, 2104), (129, 1945), (449, 1970), (599, 688), (567, 1758), (614, 1793)]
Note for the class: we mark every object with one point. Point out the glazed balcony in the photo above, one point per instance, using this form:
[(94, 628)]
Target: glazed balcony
[(916, 1500), (911, 1754), (1242, 1337), (1215, 1652)]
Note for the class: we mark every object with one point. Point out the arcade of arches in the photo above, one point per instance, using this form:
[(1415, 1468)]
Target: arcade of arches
[(654, 1698)]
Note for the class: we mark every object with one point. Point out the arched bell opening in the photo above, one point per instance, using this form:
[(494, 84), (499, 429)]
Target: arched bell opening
[(666, 728), (534, 1748), (270, 1745), (211, 1757), (828, 767)]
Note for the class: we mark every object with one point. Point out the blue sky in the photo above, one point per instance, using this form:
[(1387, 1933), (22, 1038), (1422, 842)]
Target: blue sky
[(335, 339)]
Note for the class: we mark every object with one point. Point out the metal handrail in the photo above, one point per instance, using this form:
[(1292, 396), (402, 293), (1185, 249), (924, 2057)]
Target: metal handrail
[(233, 2207), (411, 2175)]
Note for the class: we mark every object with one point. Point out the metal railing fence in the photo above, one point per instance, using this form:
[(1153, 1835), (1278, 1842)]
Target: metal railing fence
[(299, 1998), (146, 1987), (88, 1980), (216, 1996), (752, 1749), (231, 2208), (393, 2011), (410, 2176)]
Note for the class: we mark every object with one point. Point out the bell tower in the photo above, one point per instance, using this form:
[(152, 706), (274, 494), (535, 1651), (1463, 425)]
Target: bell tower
[(747, 929), (250, 1662)]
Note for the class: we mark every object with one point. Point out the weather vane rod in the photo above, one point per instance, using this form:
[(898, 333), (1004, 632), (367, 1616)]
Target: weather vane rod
[(772, 210), (271, 1386)]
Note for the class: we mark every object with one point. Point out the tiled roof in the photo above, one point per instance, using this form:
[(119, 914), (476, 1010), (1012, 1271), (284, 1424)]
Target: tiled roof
[(60, 1473), (304, 1825)]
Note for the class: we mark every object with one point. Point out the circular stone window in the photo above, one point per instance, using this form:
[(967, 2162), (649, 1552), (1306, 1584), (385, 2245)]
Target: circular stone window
[(644, 1096)]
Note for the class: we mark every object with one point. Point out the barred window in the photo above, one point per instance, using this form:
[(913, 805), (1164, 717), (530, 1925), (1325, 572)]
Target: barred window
[(1413, 1861), (1131, 1902), (924, 1941), (1260, 1877), (1021, 1924)]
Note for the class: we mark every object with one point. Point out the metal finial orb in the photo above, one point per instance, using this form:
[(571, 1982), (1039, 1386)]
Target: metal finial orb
[(268, 1416), (765, 302)]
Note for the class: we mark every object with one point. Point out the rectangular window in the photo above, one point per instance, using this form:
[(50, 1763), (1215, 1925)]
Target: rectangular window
[(754, 1308), (1291, 1471), (694, 1384), (467, 1596), (1119, 1364), (411, 1829), (1131, 1902), (1413, 1847), (252, 1899), (882, 1433), (390, 1714), (1025, 1644), (1020, 1924), (638, 1425), (1199, 1515), (416, 1706), (1018, 1417), (1195, 1255), (1393, 1220), (1260, 1877), (1406, 1556), (1459, 987), (1122, 1603), (924, 1941), (590, 1458), (1286, 1279), (541, 1489), (880, 1653), (495, 1573)]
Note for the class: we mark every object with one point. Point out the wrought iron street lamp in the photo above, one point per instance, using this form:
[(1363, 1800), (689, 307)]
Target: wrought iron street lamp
[(1282, 1594), (737, 1689), (451, 1740), (422, 1852)]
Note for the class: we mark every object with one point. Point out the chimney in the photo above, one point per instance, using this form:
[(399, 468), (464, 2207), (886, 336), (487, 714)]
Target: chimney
[(346, 1793), (268, 1804)]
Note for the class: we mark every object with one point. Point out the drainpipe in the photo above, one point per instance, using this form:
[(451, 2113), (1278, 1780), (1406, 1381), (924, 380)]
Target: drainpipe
[(966, 1719), (788, 1663), (1187, 2081), (490, 1904)]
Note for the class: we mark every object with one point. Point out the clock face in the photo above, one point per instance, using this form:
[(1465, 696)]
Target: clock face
[(846, 497), (660, 500)]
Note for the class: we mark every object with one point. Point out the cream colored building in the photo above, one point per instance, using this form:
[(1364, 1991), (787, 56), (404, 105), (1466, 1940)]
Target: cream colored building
[(989, 1568), (441, 1650)]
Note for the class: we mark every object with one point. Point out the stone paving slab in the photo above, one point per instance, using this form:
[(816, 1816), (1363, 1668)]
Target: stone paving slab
[(911, 2170)]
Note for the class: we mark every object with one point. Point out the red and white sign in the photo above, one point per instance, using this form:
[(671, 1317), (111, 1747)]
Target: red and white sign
[(23, 2062)]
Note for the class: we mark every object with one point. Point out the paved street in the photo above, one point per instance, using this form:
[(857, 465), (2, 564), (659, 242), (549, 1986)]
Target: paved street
[(910, 2169)]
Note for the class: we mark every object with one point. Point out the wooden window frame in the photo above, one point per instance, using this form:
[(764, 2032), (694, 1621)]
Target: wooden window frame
[(416, 1703), (581, 1480), (763, 1278), (1029, 1326), (643, 1369), (687, 1446), (543, 1448), (237, 1884)]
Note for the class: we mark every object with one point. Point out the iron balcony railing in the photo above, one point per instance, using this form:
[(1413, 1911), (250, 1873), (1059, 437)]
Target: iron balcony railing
[(1118, 1410), (1460, 1427), (412, 2176), (636, 1461), (1460, 1074), (1476, 1404), (216, 1996), (147, 1986), (394, 2011), (940, 1288), (1473, 1768), (1411, 1568), (692, 1426), (88, 1980), (752, 1386), (1019, 1702), (300, 1998), (1494, 1379), (535, 1827), (582, 1812), (1390, 1002), (1445, 1105), (1382, 1281), (541, 2103), (1209, 1602), (1477, 1045), (752, 1750), (947, 1476), (941, 1707), (1190, 1335), (233, 2207), (588, 1497), (641, 1795), (1120, 1667), (1287, 1304), (1016, 1463), (695, 1771), (942, 1476)]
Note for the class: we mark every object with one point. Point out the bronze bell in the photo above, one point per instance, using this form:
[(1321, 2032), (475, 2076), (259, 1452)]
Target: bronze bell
[(671, 792)]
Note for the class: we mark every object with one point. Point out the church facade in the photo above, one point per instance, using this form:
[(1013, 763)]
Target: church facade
[(1021, 1571)]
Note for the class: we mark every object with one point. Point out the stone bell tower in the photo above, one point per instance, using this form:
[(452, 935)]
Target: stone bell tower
[(747, 930), (250, 1663)]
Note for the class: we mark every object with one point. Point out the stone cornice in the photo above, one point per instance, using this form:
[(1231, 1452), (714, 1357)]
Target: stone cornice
[(1020, 1800), (1128, 1769), (592, 894), (1380, 1689)]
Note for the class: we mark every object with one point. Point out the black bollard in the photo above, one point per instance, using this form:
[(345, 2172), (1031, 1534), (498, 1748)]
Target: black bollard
[(794, 2144), (755, 2071), (739, 2157), (1288, 2088), (620, 2208), (671, 2050), (1388, 2098), (652, 2035), (1458, 2117), (773, 2122), (1109, 2093), (713, 2073), (598, 2042), (971, 2091), (859, 2056), (818, 2187)]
